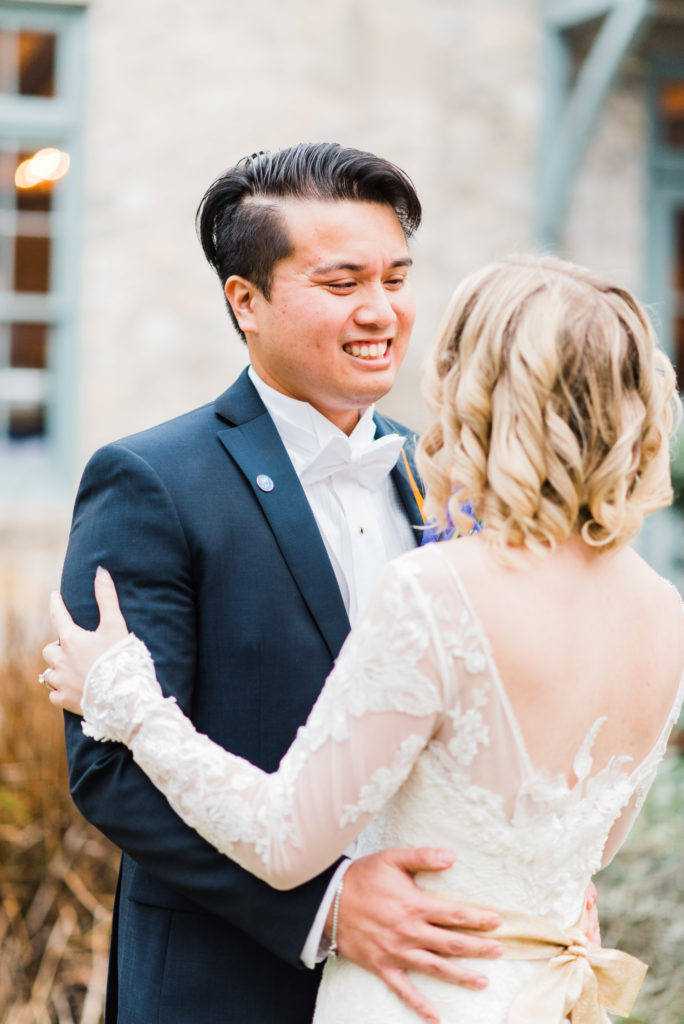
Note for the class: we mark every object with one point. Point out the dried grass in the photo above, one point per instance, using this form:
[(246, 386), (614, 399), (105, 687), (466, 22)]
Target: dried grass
[(641, 896), (57, 873)]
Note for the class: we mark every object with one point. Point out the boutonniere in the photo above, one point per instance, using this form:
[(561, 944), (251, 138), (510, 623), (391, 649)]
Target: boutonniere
[(417, 493), (433, 532), (416, 488)]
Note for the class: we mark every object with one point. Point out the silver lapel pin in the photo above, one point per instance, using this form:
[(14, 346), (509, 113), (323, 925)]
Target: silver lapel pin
[(264, 482)]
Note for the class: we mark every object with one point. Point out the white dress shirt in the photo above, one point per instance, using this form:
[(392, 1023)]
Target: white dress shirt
[(362, 529)]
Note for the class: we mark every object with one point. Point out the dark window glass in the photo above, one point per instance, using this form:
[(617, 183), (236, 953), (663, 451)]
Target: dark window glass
[(26, 422), (36, 64), (27, 63), (37, 198), (28, 346), (31, 264), (678, 304), (35, 176), (672, 113), (25, 257), (28, 68)]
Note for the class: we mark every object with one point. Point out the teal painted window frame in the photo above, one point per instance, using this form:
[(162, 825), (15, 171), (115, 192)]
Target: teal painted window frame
[(571, 109), (28, 122), (665, 194), (661, 538)]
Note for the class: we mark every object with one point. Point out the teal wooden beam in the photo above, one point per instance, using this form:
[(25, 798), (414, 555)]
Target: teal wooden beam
[(572, 111), (557, 75), (565, 14)]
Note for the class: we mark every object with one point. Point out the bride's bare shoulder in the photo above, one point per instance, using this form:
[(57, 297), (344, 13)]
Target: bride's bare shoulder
[(658, 588), (657, 607)]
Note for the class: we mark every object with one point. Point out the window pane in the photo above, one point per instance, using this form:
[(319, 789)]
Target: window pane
[(23, 402), (36, 175), (36, 64), (32, 242), (672, 113), (28, 346), (678, 304), (32, 43), (37, 198), (25, 257), (679, 256), (27, 63), (26, 422), (31, 264)]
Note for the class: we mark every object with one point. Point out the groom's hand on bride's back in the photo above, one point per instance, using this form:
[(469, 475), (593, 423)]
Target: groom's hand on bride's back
[(389, 926)]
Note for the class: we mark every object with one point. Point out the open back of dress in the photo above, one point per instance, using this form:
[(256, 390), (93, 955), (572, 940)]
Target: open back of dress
[(412, 742)]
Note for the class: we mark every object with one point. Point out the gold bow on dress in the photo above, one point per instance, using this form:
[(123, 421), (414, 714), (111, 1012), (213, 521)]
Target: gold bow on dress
[(580, 980)]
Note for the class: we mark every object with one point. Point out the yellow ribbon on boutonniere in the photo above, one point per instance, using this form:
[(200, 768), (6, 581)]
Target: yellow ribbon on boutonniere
[(420, 501)]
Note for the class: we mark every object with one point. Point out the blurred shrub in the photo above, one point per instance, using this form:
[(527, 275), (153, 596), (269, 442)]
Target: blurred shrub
[(641, 896), (57, 873)]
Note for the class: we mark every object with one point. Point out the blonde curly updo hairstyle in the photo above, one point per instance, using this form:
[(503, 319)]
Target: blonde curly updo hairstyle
[(553, 409)]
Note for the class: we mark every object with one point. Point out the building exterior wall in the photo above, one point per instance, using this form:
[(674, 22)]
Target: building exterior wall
[(606, 223), (451, 92)]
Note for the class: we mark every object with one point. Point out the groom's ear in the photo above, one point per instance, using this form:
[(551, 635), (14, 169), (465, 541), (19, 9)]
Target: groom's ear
[(243, 297)]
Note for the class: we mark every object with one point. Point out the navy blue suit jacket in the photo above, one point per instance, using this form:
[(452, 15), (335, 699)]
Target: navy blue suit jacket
[(232, 590)]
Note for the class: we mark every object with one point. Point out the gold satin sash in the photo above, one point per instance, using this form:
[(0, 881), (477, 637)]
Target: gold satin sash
[(580, 980)]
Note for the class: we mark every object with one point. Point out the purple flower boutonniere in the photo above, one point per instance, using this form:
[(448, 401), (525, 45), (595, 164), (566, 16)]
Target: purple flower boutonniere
[(434, 533)]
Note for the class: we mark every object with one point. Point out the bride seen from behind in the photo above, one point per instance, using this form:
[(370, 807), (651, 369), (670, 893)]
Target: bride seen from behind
[(507, 695)]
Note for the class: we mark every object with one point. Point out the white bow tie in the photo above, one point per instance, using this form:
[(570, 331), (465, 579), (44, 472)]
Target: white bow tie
[(368, 465)]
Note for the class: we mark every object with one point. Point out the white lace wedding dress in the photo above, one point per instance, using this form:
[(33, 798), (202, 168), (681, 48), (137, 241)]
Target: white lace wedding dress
[(412, 742)]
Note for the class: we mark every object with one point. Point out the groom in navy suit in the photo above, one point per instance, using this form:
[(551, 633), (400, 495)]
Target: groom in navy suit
[(243, 537)]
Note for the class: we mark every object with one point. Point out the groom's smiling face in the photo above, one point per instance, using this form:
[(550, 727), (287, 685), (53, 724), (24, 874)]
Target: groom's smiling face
[(335, 327)]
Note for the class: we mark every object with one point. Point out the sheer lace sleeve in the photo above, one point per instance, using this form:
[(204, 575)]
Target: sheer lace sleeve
[(375, 714), (641, 780)]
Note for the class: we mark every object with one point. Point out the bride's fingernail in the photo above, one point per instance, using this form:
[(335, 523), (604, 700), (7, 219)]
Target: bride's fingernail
[(102, 574)]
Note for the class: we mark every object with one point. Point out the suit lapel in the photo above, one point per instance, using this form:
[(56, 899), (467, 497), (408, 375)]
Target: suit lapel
[(255, 446), (405, 485)]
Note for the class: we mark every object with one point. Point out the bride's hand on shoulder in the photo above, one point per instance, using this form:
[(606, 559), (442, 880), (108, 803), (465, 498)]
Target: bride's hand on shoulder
[(72, 655)]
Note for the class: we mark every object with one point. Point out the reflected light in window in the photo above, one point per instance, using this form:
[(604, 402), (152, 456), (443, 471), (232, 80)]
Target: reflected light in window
[(672, 113), (46, 165), (672, 99)]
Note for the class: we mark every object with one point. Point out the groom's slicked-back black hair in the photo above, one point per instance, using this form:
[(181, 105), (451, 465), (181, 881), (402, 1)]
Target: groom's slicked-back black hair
[(239, 221)]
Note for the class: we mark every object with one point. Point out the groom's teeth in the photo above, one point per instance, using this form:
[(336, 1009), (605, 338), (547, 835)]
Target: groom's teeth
[(367, 351)]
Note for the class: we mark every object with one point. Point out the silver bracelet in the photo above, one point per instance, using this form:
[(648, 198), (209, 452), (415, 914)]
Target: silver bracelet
[(332, 948)]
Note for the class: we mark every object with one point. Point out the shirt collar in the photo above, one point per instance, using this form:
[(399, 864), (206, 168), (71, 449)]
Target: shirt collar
[(303, 429)]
